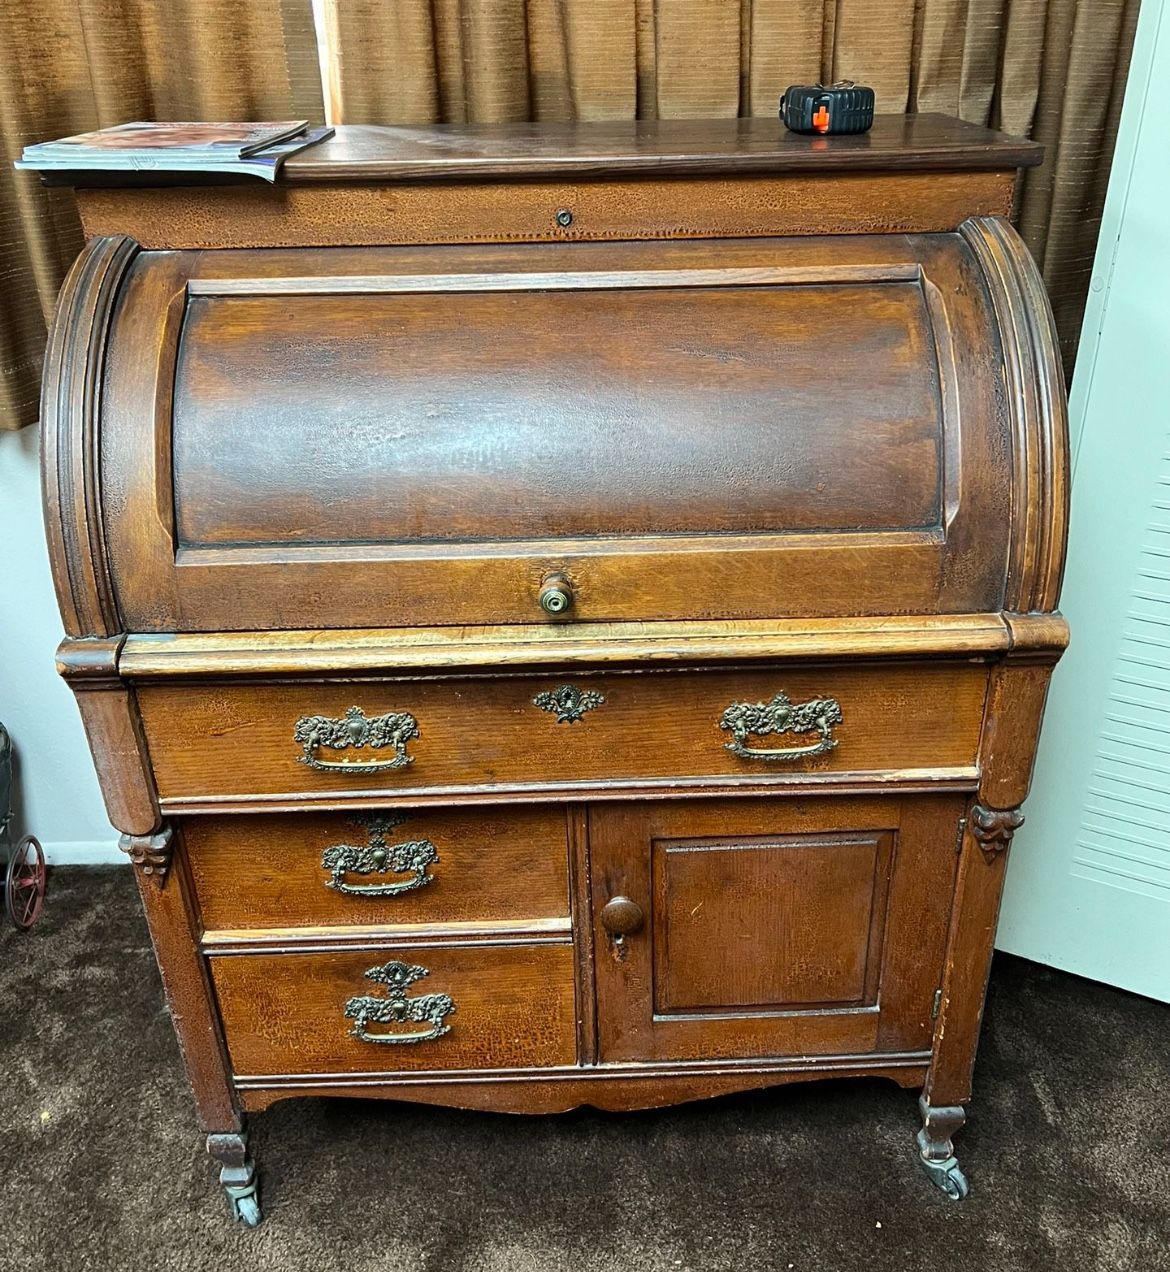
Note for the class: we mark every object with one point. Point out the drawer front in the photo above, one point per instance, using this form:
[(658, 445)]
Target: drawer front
[(233, 742), (325, 870), (395, 1009)]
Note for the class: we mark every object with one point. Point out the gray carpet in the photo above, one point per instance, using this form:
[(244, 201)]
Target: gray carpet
[(101, 1168)]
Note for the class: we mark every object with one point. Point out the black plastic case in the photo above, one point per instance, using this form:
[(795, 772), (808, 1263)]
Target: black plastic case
[(836, 108)]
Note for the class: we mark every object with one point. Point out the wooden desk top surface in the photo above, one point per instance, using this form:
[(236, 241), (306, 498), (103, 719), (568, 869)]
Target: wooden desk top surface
[(379, 154), (650, 147)]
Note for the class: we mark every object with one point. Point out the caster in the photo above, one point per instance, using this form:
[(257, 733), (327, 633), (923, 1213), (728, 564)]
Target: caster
[(237, 1175), (936, 1153), (948, 1176), (246, 1206)]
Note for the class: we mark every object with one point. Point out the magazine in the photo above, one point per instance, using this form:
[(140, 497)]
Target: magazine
[(248, 148)]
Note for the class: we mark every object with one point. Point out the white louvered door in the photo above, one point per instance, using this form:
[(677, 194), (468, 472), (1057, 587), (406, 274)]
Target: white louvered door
[(1089, 883)]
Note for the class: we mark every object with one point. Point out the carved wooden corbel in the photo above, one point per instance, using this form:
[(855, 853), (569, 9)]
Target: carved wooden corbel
[(993, 828), (150, 853)]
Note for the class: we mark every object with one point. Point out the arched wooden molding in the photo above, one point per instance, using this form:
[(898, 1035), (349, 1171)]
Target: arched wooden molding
[(1037, 414), (74, 364)]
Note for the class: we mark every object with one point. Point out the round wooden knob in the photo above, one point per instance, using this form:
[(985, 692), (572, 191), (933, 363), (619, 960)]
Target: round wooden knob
[(621, 917), (556, 595)]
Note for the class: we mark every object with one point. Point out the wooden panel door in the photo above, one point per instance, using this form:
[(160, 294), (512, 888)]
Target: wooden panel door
[(749, 928)]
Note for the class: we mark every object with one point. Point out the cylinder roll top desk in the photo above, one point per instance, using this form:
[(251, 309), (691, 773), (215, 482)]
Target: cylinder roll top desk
[(563, 616)]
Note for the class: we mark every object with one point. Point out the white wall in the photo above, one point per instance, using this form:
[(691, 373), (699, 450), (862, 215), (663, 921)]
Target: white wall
[(57, 797)]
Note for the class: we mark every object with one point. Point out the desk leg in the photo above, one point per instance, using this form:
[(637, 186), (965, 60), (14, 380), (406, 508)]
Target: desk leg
[(1010, 729)]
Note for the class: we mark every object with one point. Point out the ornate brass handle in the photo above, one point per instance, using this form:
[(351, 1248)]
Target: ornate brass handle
[(377, 857), (395, 1008), (766, 719), (355, 729)]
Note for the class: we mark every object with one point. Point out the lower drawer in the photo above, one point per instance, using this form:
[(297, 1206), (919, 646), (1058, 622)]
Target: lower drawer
[(328, 869), (394, 1009)]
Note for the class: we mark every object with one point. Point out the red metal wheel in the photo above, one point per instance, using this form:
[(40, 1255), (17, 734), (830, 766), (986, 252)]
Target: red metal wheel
[(24, 885)]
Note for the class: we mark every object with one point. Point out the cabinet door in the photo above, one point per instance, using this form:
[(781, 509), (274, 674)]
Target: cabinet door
[(747, 928)]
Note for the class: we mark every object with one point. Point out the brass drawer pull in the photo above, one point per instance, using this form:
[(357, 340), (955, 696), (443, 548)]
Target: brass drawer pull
[(355, 729), (396, 1009), (766, 719), (410, 857)]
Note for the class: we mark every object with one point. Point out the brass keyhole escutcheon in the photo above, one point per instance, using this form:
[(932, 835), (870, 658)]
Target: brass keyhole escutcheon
[(556, 595), (621, 917)]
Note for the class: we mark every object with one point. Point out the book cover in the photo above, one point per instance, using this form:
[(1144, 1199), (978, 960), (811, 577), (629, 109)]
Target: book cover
[(237, 140), (241, 149)]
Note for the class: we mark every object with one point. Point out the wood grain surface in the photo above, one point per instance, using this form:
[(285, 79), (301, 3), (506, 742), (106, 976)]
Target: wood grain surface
[(185, 655), (827, 934), (330, 215), (764, 457), (221, 741), (700, 408), (816, 901), (266, 872), (620, 1088), (656, 147), (283, 1013), (783, 415)]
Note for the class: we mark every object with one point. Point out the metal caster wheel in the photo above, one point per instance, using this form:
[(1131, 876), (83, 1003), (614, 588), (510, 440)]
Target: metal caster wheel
[(237, 1175), (246, 1206), (936, 1152), (948, 1176), (24, 884)]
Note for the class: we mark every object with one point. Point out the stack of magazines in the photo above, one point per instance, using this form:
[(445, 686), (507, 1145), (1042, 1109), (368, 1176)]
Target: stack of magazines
[(256, 149)]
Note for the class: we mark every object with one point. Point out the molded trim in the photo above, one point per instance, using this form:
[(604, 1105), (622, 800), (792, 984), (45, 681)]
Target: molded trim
[(1038, 415), (70, 411)]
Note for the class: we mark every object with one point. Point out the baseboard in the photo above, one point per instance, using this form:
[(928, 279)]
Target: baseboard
[(100, 852)]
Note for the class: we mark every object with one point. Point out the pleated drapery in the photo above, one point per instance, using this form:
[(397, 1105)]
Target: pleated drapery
[(1051, 69), (71, 65)]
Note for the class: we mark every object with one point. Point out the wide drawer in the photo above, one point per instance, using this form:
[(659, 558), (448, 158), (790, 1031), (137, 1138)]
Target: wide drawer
[(325, 870), (240, 742), (373, 1010)]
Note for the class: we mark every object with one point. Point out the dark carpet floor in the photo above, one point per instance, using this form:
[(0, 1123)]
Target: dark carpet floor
[(1068, 1150)]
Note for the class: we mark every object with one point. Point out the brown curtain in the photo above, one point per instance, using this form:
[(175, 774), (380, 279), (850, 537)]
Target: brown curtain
[(71, 65), (1052, 69)]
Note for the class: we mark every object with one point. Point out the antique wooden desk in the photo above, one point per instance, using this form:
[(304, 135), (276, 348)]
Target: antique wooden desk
[(563, 615)]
